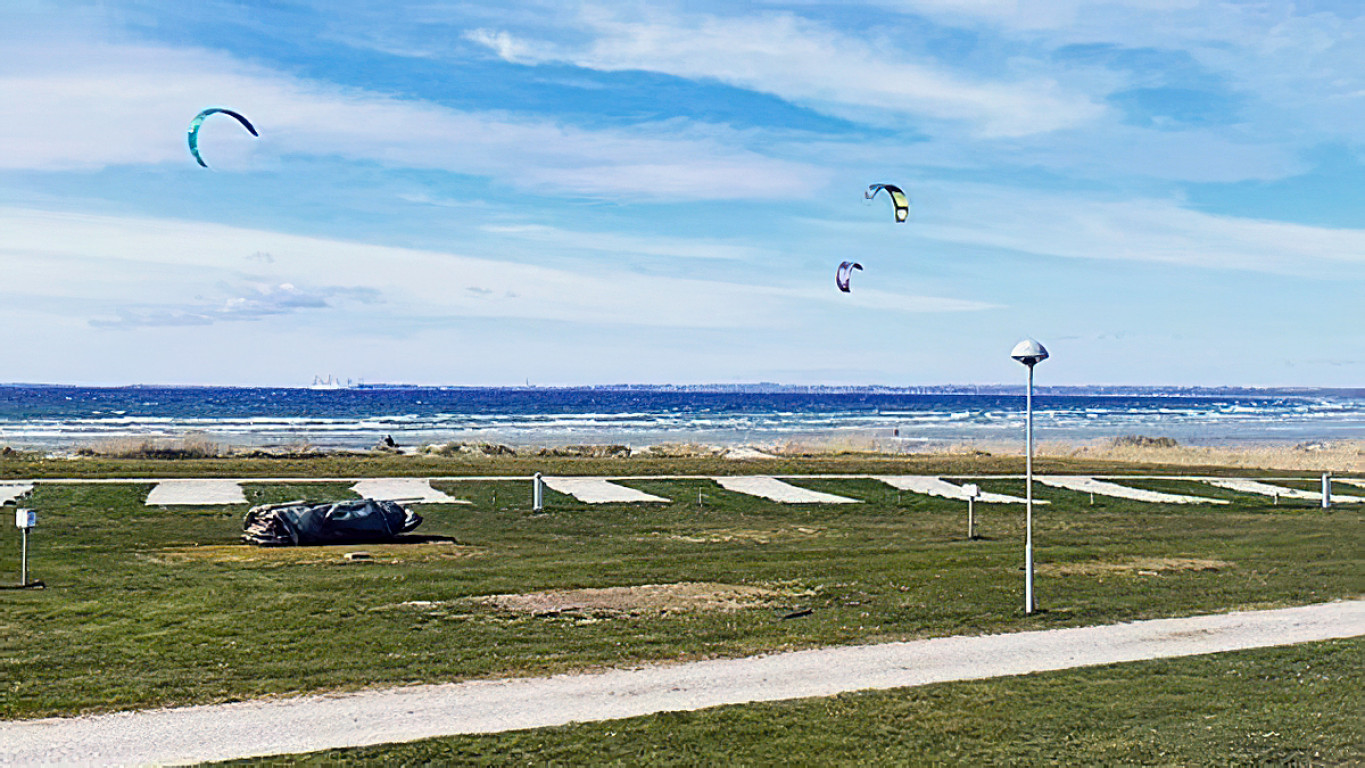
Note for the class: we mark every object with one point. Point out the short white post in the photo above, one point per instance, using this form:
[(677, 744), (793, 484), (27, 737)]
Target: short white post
[(537, 493), (972, 490), (1326, 490), (24, 519)]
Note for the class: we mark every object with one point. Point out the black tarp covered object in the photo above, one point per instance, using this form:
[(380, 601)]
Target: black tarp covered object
[(342, 522)]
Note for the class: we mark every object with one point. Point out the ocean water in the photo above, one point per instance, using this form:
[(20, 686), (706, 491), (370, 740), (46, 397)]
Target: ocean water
[(50, 417)]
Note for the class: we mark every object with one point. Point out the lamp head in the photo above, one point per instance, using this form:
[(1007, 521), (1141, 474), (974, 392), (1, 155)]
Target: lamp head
[(1029, 352)]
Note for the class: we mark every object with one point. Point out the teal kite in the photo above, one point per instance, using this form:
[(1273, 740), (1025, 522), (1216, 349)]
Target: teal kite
[(199, 120)]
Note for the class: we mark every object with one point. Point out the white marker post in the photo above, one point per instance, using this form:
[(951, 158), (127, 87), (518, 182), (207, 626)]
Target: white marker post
[(537, 493), (1326, 490), (973, 491), (24, 519)]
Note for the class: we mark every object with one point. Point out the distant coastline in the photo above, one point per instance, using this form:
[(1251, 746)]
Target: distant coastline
[(1081, 390)]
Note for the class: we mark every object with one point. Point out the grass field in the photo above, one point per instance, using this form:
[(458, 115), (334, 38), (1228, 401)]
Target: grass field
[(1299, 705), (150, 607)]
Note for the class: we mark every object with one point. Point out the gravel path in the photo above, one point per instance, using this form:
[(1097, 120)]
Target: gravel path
[(1266, 489), (195, 493), (595, 490), (935, 486), (775, 490), (11, 491), (1102, 488), (310, 723), (415, 490)]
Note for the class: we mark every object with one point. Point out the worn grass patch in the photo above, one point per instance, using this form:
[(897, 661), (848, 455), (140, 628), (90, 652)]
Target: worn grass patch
[(684, 597), (405, 549), (1137, 565), (727, 535)]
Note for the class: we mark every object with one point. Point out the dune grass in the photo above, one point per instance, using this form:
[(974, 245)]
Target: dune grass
[(141, 591), (134, 465)]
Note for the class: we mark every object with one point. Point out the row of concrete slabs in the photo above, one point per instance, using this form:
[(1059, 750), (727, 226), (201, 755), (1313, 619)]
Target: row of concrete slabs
[(603, 490)]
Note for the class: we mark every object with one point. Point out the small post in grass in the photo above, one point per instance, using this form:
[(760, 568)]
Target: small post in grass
[(537, 493), (1326, 490), (24, 519), (973, 491)]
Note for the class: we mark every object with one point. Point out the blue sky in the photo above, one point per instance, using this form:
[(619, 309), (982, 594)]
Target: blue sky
[(1163, 192)]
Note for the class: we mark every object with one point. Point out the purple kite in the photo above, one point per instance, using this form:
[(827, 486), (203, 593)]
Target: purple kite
[(845, 272)]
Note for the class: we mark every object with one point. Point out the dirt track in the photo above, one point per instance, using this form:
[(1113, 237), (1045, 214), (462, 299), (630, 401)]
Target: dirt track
[(310, 723)]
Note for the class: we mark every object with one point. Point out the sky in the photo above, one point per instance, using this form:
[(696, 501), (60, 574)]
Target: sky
[(1163, 192)]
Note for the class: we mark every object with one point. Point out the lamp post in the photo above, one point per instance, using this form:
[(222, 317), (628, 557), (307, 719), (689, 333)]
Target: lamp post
[(1030, 353)]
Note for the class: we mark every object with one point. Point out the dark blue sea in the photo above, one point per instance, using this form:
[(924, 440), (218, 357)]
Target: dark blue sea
[(57, 417)]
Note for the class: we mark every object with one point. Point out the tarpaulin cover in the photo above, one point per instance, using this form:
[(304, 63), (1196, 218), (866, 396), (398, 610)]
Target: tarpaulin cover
[(342, 522)]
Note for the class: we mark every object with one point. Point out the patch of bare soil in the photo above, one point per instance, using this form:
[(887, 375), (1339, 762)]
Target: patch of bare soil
[(726, 535), (415, 551), (1142, 566), (683, 597)]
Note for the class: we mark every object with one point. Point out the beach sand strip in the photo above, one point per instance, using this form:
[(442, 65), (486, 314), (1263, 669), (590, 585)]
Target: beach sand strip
[(195, 493), (595, 490), (1102, 488), (934, 486), (775, 490)]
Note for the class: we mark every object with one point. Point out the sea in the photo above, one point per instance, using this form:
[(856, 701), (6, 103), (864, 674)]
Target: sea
[(356, 418)]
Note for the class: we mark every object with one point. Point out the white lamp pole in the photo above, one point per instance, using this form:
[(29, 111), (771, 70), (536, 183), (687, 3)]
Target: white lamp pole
[(1030, 353)]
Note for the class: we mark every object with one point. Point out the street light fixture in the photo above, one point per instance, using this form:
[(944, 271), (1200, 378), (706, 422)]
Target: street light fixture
[(1030, 353)]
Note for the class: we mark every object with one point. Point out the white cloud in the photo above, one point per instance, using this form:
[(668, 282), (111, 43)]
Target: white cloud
[(93, 105), (1150, 230), (245, 302), (1301, 61), (131, 272), (609, 242), (807, 63), (1029, 14)]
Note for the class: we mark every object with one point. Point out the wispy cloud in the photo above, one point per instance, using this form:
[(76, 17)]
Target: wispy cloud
[(94, 104), (127, 266), (610, 242), (807, 63), (244, 303), (1299, 61), (1152, 230)]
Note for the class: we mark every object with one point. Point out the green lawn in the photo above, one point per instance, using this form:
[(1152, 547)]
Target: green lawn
[(151, 607), (1299, 705)]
